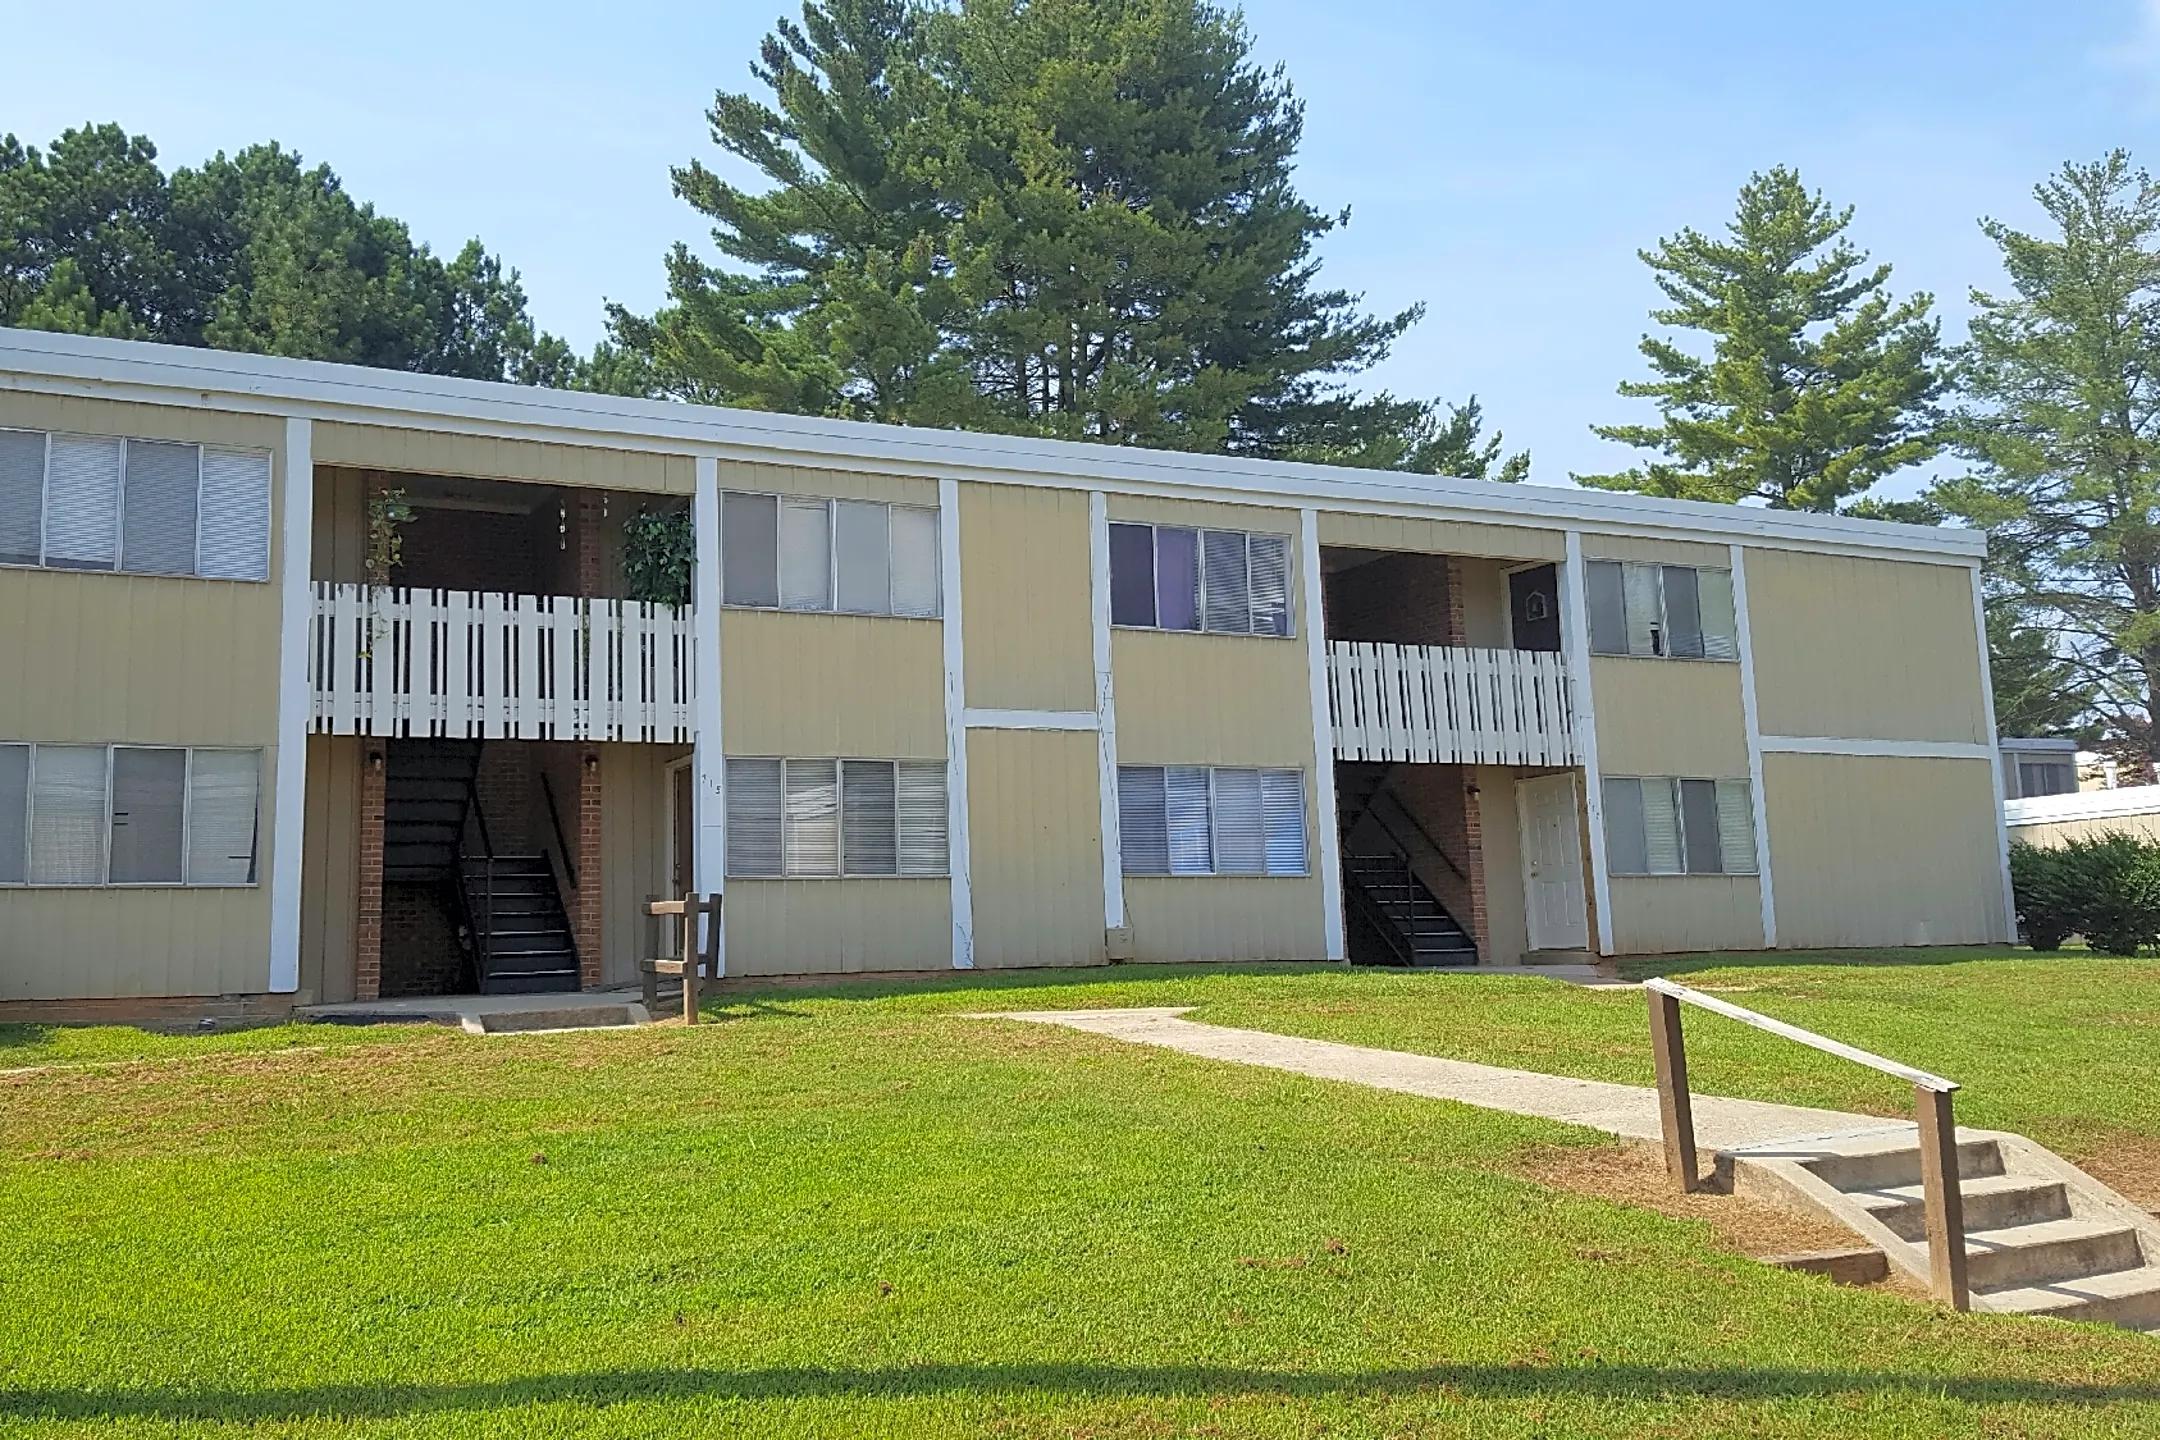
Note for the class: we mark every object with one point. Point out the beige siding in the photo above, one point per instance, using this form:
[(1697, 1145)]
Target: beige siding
[(427, 452), (1035, 834), (1205, 514), (830, 927), (1225, 917), (1211, 699), (1864, 649), (1025, 598), (1671, 914), (20, 411), (1485, 602), (60, 944), (1441, 537), (1669, 717), (340, 526), (1507, 926), (867, 686), (330, 867), (827, 484), (1883, 851), (633, 850), (1656, 552), (2144, 827)]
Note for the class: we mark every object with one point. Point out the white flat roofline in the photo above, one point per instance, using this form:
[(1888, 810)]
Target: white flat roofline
[(39, 362), (2083, 805), (2038, 744)]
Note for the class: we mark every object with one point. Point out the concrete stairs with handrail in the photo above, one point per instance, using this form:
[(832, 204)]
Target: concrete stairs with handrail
[(2042, 1237)]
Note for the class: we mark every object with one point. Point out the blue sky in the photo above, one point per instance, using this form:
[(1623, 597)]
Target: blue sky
[(1504, 161)]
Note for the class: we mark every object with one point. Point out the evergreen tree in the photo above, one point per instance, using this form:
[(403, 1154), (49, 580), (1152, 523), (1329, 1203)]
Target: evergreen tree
[(1817, 384), (2064, 429), (2037, 692), (1060, 217)]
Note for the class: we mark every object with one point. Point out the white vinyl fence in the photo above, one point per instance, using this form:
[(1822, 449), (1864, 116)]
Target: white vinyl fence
[(1450, 705), (461, 664)]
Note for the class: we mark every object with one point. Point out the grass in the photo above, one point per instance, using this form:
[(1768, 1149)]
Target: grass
[(855, 1212)]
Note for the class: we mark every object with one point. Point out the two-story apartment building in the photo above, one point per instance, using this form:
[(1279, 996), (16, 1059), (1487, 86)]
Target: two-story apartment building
[(939, 699)]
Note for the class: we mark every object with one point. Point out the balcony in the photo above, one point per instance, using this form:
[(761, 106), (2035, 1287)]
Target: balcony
[(1448, 705), (484, 665)]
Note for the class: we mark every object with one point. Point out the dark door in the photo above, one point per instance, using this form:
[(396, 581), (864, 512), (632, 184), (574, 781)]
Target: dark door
[(1534, 607), (685, 823)]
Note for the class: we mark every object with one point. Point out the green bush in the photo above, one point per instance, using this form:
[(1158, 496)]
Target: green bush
[(2105, 889)]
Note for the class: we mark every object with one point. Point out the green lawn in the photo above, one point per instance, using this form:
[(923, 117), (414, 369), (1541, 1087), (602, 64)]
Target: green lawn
[(854, 1212)]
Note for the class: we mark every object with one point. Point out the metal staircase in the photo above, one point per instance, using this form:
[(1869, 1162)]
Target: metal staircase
[(1409, 920)]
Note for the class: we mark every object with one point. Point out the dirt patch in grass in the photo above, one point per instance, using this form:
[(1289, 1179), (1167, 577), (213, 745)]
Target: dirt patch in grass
[(2126, 1160), (1635, 1175)]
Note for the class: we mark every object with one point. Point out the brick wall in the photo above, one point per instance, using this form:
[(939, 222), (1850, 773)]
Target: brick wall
[(506, 785), (586, 915), (368, 933), (420, 942), (1443, 800), (1396, 600), (474, 550)]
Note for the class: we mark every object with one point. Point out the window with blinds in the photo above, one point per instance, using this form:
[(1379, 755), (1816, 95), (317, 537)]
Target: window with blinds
[(854, 557), (1673, 611), (1228, 582), (1201, 820), (142, 507), (127, 815), (825, 818), (1663, 825)]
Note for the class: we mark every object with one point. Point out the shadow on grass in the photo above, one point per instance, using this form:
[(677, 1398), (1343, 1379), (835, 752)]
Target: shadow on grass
[(1071, 1381)]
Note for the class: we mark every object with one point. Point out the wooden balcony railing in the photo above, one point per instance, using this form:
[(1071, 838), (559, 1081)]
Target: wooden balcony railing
[(1450, 705), (473, 665)]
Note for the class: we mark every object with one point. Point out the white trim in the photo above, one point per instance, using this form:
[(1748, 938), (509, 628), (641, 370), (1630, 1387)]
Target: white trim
[(709, 852), (1323, 724), (1744, 642), (296, 615), (1995, 759), (956, 726), (1030, 719), (1575, 641), (220, 380), (1106, 781), (1899, 749), (2083, 805)]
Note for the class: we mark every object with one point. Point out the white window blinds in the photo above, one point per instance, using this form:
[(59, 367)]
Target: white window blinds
[(1662, 825), (67, 815), (14, 814), (82, 503), (222, 792), (1668, 610), (805, 555), (149, 507), (859, 557), (862, 556), (1736, 826), (1192, 820), (22, 497), (1165, 577), (1225, 597), (1270, 561), (818, 817), (157, 525), (914, 561), (233, 525), (149, 801)]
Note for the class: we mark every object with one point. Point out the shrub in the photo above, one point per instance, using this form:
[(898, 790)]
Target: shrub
[(2106, 889)]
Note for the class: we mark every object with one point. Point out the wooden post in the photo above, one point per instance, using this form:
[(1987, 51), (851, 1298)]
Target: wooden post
[(692, 903), (1676, 1111), (1945, 1200)]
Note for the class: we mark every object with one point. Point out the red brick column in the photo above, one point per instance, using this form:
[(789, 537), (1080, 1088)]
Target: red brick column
[(1457, 626), (591, 541), (587, 919), (1473, 802), (368, 924)]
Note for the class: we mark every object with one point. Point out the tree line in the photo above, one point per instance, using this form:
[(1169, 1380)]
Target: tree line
[(1077, 219)]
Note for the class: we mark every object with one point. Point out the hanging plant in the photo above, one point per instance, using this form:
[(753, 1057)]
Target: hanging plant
[(659, 549), (387, 515)]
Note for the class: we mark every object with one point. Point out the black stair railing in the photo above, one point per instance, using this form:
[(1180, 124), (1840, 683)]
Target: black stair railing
[(1380, 920), (484, 926)]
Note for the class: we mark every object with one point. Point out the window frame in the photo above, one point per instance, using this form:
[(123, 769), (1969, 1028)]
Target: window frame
[(119, 566), (1213, 827), (1673, 799), (833, 606), (1660, 624), (1199, 534), (840, 764), (105, 842)]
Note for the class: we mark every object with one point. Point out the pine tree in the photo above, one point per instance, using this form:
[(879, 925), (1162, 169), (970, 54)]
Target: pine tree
[(1817, 384), (1059, 217)]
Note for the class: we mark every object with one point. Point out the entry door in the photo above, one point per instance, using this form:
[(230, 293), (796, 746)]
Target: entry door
[(1552, 863), (682, 829)]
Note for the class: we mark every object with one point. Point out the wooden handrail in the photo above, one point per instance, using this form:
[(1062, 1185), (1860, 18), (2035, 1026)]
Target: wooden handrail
[(1945, 1201), (686, 911)]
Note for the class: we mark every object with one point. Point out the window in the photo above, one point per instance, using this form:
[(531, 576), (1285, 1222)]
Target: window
[(857, 557), (1678, 611), (1225, 581), (2043, 777), (1666, 826), (824, 817), (127, 815), (1194, 820), (145, 507)]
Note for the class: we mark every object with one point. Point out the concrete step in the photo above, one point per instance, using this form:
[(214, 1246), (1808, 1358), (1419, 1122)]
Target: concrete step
[(2052, 1250), (1893, 1164), (1991, 1202), (2129, 1298)]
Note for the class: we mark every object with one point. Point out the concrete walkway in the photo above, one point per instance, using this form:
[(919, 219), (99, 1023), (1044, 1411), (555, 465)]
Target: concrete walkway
[(1628, 1111), (492, 1014)]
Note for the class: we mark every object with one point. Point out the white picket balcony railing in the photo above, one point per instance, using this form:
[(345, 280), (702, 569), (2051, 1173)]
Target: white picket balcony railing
[(474, 665), (1448, 705)]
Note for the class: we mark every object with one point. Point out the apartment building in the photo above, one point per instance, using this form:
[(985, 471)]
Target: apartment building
[(937, 700)]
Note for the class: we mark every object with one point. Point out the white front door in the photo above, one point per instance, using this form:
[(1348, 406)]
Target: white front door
[(1552, 863)]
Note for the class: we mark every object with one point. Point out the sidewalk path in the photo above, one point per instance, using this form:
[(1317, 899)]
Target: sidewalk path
[(1629, 1111)]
